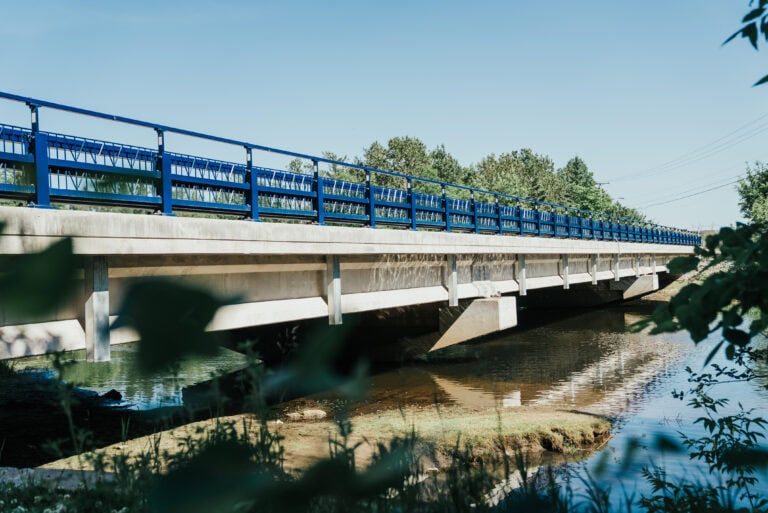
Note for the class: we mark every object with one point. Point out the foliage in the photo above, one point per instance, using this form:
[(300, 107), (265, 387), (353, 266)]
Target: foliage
[(34, 283), (731, 299), (170, 319), (755, 22), (736, 286), (753, 192)]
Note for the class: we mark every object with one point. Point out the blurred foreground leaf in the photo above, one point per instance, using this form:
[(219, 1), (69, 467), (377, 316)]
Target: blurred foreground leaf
[(170, 319), (37, 283), (313, 368)]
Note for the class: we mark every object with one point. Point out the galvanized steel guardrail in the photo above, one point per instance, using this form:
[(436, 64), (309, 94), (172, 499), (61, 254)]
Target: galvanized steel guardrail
[(42, 167)]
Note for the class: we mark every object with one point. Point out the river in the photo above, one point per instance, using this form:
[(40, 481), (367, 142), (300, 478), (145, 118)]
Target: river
[(587, 362)]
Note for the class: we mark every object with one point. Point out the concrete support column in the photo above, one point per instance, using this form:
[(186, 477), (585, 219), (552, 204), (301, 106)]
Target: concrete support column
[(452, 281), (565, 271), (593, 268), (96, 274), (653, 264), (520, 275), (333, 297), (637, 265), (481, 317), (616, 267)]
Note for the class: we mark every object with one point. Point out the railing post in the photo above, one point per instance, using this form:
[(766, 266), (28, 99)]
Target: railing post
[(498, 216), (447, 210), (412, 201), (474, 212), (42, 179), (538, 220), (371, 199), (254, 182), (521, 224), (164, 166), (320, 193)]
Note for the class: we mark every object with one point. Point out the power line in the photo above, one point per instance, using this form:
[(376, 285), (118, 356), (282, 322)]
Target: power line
[(645, 198), (704, 151), (689, 190), (691, 195)]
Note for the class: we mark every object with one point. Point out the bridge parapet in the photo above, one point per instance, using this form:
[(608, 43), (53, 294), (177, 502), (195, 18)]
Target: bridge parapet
[(44, 168)]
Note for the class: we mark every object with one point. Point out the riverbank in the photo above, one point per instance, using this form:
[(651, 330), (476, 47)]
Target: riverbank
[(489, 433)]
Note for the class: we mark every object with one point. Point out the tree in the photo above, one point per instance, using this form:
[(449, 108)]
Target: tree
[(405, 155), (753, 192), (448, 168), (501, 174), (751, 30), (576, 172)]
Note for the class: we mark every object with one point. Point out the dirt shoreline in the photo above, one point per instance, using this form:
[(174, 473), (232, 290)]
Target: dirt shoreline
[(305, 442)]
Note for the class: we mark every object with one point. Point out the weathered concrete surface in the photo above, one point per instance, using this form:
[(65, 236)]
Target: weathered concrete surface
[(481, 317), (279, 272), (640, 286), (103, 233)]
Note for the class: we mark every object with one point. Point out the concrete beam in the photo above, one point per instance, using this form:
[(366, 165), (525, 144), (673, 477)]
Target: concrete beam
[(481, 317), (96, 280), (106, 233)]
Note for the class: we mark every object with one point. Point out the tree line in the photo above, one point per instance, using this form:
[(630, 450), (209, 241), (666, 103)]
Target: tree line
[(521, 173)]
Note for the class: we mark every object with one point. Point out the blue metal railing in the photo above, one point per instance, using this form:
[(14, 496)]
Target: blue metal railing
[(42, 167)]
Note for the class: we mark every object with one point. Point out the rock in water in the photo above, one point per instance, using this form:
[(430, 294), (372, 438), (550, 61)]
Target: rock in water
[(112, 395)]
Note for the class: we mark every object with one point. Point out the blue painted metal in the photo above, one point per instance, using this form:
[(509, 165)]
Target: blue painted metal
[(71, 169), (164, 167)]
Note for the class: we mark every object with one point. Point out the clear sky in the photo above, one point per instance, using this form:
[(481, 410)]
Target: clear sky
[(628, 86)]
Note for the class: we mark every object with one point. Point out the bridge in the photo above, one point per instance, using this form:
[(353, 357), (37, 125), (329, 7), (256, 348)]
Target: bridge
[(320, 245)]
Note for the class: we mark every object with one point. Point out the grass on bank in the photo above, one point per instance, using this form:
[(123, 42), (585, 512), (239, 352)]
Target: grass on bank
[(306, 442)]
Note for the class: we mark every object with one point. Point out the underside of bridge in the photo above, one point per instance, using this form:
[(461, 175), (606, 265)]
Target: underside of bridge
[(270, 273)]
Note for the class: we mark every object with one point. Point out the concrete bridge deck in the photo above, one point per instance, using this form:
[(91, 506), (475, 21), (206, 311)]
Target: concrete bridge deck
[(281, 272)]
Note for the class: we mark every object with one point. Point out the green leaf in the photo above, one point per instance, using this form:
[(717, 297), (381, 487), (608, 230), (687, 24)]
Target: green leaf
[(750, 32), (762, 81), (712, 353), (730, 352), (753, 14), (682, 265), (737, 337), (170, 318), (37, 283)]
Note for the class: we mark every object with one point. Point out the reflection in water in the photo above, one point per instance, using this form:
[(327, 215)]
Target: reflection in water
[(140, 391), (588, 362)]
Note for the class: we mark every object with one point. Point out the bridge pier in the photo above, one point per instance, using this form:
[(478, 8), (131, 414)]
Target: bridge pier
[(96, 274), (481, 317)]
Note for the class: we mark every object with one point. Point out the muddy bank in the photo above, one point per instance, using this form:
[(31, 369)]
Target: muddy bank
[(488, 432)]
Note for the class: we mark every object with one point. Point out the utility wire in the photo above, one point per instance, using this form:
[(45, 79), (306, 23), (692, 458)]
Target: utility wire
[(688, 190), (680, 189), (704, 151), (691, 195)]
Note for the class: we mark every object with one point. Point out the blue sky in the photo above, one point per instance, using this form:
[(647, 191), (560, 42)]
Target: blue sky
[(628, 86)]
